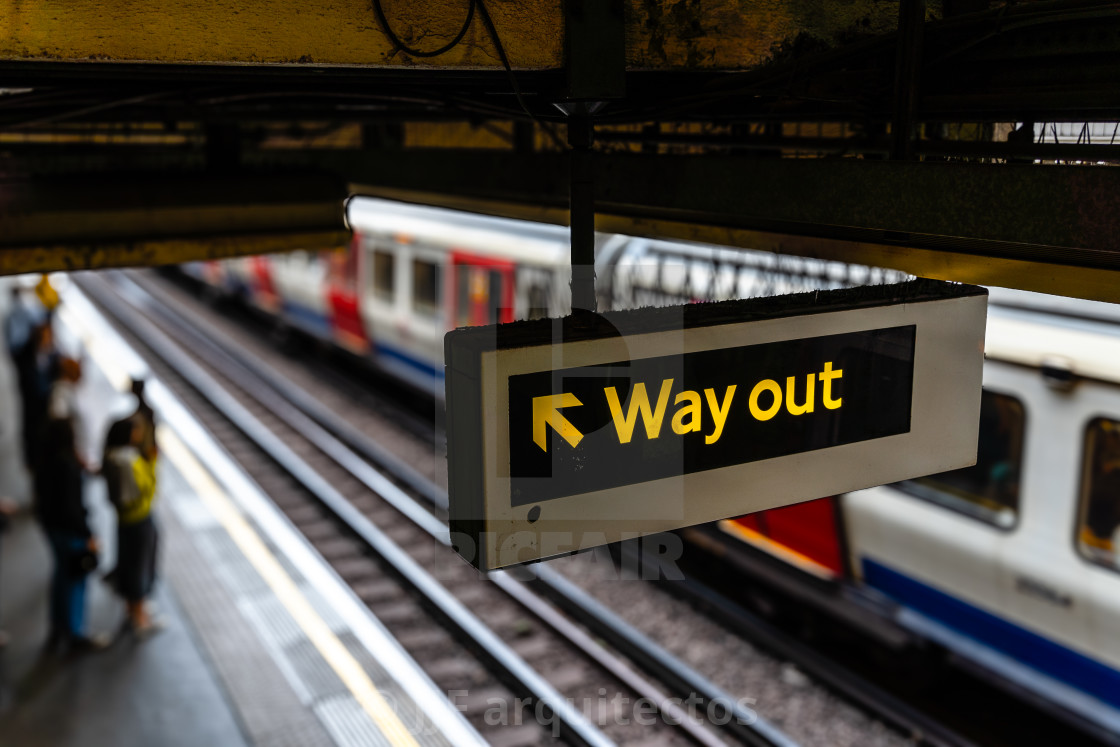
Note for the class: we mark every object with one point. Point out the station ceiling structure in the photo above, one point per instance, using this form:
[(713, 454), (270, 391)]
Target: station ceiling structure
[(968, 140)]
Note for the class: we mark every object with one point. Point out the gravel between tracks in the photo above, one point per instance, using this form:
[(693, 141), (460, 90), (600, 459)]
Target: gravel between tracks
[(783, 694), (367, 411)]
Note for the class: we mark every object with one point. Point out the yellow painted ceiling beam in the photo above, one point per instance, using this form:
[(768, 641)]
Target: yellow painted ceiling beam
[(661, 35), (164, 251), (276, 32)]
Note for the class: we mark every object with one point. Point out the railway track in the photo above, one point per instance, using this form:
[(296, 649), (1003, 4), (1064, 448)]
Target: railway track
[(521, 668), (911, 722), (920, 719)]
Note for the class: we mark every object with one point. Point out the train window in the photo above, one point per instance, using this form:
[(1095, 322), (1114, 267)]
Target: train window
[(425, 286), (494, 304), (478, 296), (383, 280), (463, 295), (538, 302), (989, 490), (1098, 537)]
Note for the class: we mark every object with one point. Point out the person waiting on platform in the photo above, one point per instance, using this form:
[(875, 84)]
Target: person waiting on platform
[(63, 401), (130, 473), (37, 369), (62, 513), (20, 322), (120, 432)]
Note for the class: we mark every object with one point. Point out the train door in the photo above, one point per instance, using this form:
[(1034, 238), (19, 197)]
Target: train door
[(342, 299), (382, 291), (534, 297), (420, 322), (300, 279), (1042, 586), (936, 544), (1098, 536), (264, 290), (402, 308), (482, 290)]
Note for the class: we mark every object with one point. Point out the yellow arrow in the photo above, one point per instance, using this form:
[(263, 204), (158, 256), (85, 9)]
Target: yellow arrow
[(546, 411)]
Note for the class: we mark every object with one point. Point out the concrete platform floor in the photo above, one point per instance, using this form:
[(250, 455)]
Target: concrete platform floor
[(136, 693), (154, 692)]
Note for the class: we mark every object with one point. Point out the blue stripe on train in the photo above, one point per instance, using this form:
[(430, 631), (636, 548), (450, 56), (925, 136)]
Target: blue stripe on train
[(1043, 654), (318, 324), (307, 319), (413, 363)]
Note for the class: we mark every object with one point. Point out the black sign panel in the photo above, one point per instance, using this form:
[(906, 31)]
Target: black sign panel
[(579, 430)]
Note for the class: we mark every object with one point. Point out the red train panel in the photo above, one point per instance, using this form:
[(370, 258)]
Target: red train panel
[(807, 535), (264, 291), (342, 296)]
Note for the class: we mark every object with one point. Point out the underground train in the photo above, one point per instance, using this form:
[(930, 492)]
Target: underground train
[(412, 273), (1012, 565)]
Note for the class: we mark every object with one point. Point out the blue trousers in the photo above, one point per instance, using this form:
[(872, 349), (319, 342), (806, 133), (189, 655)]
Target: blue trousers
[(68, 589)]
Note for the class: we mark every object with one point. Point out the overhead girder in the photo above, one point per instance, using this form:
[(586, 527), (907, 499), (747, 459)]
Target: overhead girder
[(1049, 228), (711, 62), (662, 34), (1054, 229), (202, 82), (109, 220)]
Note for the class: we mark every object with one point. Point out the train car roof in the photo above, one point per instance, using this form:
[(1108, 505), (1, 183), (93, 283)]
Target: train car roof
[(506, 238), (1037, 330)]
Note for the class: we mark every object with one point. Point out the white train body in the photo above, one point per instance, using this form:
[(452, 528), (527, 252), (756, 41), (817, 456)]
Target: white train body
[(1018, 591), (1015, 590), (412, 273)]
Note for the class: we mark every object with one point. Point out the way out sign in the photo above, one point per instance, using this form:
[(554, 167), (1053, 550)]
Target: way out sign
[(567, 434)]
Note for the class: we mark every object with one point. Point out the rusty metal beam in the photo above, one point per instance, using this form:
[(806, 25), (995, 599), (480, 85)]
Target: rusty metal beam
[(1046, 228), (664, 34), (156, 252), (87, 221)]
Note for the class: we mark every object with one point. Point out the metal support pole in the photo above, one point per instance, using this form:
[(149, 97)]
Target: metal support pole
[(911, 20), (581, 204)]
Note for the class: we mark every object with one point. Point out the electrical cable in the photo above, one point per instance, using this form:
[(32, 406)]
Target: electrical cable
[(493, 32), (73, 113), (399, 43)]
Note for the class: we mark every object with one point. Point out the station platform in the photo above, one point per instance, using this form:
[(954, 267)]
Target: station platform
[(263, 643)]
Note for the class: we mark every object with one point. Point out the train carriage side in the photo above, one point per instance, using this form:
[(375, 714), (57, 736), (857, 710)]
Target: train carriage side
[(300, 280), (421, 271), (1012, 564)]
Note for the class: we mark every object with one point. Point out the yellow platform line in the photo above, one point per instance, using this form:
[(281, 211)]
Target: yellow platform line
[(313, 626)]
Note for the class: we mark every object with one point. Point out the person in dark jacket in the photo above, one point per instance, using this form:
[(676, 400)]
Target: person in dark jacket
[(62, 513), (20, 322), (120, 432), (37, 368)]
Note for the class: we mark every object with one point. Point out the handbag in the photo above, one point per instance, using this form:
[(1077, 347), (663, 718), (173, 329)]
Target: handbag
[(84, 562)]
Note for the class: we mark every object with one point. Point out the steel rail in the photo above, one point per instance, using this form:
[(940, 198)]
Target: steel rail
[(748, 726), (576, 727), (919, 727), (315, 422)]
